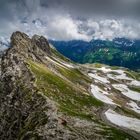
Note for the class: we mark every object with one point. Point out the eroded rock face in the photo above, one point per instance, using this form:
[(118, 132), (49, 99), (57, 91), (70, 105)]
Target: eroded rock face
[(24, 111), (38, 46), (42, 42)]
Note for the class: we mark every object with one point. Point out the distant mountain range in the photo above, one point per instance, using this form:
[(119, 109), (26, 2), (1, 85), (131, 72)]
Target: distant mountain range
[(118, 52)]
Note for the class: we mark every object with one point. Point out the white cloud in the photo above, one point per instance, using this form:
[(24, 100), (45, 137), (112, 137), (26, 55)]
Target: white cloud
[(110, 28), (67, 20), (93, 24), (64, 27)]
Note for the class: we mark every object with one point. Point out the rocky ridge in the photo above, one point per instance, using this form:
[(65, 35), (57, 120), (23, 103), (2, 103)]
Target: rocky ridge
[(20, 101), (46, 96)]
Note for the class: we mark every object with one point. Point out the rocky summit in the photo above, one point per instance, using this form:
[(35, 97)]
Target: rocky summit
[(45, 96)]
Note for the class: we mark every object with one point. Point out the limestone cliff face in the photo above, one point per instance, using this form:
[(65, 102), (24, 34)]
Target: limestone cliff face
[(24, 110)]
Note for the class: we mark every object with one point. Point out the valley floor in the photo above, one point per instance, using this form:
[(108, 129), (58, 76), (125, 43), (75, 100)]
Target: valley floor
[(120, 91)]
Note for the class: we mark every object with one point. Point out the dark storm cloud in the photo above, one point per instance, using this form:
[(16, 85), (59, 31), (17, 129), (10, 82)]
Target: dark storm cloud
[(71, 19), (74, 7), (97, 7)]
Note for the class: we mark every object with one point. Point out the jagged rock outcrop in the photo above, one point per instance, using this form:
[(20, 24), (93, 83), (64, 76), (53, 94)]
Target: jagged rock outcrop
[(35, 48), (42, 43), (45, 96), (24, 110)]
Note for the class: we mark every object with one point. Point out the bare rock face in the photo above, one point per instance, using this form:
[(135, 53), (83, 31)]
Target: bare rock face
[(19, 38), (37, 46), (24, 111), (42, 42)]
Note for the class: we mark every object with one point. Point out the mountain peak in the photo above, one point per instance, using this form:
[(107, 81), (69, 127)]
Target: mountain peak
[(20, 42), (23, 44), (18, 37), (41, 42), (45, 96)]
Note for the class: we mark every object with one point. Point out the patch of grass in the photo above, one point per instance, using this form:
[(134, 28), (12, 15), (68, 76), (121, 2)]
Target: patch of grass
[(128, 112), (75, 76), (130, 74), (119, 135), (87, 116), (69, 98), (133, 74), (114, 67), (98, 65), (137, 89), (54, 51)]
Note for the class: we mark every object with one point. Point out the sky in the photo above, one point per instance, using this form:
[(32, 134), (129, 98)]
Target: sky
[(71, 19)]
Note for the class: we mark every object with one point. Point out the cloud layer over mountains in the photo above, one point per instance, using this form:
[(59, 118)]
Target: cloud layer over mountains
[(75, 19)]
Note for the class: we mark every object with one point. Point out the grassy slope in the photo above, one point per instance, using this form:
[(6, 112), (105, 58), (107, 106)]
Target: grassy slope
[(70, 100), (56, 53)]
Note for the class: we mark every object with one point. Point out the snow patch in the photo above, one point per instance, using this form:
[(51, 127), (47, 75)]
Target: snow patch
[(121, 74), (135, 83), (104, 69), (65, 64), (123, 121), (127, 92), (99, 78), (134, 106), (101, 95), (55, 62), (107, 70)]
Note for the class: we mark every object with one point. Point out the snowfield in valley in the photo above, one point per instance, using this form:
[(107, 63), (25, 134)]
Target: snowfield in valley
[(106, 91), (127, 92), (101, 95), (120, 75), (135, 83), (123, 121), (117, 75), (99, 78), (134, 106)]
